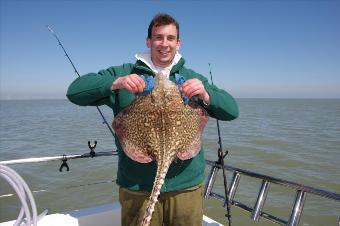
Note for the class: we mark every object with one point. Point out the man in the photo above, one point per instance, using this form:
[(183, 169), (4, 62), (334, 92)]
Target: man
[(181, 200)]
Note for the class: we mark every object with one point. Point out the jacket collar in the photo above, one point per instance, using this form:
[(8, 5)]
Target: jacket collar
[(144, 63)]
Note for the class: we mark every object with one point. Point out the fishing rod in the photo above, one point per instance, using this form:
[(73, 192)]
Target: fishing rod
[(76, 71), (221, 157), (63, 158), (53, 158)]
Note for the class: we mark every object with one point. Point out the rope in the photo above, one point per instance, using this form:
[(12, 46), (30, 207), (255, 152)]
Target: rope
[(25, 195)]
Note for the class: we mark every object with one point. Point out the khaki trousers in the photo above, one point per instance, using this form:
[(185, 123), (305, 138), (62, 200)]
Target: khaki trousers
[(172, 209)]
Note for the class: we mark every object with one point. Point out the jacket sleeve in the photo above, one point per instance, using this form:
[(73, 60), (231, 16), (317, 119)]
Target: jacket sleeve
[(222, 105), (94, 89)]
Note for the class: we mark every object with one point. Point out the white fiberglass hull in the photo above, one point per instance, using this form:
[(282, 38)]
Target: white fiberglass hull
[(103, 215)]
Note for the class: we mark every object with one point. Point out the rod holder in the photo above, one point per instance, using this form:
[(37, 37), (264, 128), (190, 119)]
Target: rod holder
[(211, 180), (295, 215), (261, 198), (233, 186)]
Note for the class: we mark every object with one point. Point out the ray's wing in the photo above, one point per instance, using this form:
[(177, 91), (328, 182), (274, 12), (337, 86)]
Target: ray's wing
[(136, 128)]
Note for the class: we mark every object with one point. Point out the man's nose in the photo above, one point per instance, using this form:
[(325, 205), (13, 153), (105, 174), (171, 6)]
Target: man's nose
[(164, 42)]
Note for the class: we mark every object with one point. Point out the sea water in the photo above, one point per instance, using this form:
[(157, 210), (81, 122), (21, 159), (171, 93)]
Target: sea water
[(292, 139)]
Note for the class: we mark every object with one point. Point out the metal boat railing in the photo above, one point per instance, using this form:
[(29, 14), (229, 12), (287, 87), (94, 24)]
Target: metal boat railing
[(257, 210)]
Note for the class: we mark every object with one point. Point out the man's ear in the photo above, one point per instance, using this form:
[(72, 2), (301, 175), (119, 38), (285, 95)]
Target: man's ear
[(148, 42), (178, 44)]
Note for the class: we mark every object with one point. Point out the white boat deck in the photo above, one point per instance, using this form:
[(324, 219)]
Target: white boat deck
[(103, 215)]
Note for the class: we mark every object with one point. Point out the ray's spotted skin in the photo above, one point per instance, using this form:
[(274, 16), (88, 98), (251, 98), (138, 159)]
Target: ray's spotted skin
[(160, 127)]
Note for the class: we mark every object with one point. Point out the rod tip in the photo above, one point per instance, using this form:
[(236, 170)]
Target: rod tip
[(49, 28)]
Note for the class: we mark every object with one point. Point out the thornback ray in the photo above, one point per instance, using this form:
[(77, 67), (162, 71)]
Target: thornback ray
[(160, 127)]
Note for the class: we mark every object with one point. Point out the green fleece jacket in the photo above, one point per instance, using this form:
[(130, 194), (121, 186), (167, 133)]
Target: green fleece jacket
[(94, 89)]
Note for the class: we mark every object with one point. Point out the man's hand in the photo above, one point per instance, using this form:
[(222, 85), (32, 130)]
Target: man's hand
[(194, 87), (132, 82)]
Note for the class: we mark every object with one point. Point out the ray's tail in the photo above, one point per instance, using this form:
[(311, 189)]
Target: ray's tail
[(162, 169)]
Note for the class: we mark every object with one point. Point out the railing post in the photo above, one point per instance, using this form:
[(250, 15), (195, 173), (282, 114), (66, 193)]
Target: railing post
[(297, 208), (211, 180), (261, 198), (234, 184)]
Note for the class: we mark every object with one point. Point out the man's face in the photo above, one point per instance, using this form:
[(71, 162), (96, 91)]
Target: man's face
[(163, 44)]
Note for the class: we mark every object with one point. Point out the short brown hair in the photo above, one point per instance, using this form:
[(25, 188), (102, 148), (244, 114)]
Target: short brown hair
[(160, 20)]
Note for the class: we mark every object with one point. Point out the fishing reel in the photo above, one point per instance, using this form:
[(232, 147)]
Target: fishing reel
[(221, 155)]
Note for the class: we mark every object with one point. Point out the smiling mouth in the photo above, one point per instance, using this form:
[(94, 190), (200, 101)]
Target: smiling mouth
[(164, 53)]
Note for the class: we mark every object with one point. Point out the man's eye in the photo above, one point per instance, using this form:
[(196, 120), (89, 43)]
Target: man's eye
[(172, 38)]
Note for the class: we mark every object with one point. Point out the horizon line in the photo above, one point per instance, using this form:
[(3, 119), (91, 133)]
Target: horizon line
[(296, 98)]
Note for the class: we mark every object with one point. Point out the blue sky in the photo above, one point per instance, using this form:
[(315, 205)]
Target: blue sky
[(271, 49)]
